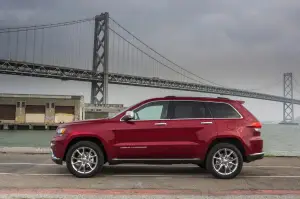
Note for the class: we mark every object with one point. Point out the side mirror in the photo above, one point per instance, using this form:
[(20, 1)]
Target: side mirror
[(128, 115)]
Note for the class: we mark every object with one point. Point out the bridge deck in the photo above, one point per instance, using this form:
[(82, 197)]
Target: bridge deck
[(58, 72)]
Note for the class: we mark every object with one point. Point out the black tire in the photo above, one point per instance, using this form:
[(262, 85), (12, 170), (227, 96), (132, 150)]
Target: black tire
[(87, 144), (215, 149)]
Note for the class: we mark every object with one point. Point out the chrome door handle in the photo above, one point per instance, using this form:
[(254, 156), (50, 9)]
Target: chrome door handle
[(206, 122), (160, 124)]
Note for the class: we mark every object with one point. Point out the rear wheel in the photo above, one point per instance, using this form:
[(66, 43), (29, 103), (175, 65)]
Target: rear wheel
[(224, 161), (84, 159)]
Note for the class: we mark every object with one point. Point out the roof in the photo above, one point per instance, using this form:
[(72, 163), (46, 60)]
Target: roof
[(220, 99)]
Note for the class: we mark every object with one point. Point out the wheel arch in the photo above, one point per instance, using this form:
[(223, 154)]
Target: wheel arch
[(230, 140), (87, 138)]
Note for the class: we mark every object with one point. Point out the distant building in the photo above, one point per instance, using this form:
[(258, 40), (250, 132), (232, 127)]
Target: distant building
[(49, 110), (40, 109), (93, 111)]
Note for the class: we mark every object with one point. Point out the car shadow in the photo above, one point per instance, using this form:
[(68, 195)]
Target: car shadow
[(151, 170), (165, 170)]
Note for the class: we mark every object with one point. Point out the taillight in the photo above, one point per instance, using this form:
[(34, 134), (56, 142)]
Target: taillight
[(256, 126)]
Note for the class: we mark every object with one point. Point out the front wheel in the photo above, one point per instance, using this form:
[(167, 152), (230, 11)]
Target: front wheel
[(224, 161), (84, 159)]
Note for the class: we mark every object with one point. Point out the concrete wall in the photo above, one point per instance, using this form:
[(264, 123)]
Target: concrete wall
[(95, 115), (50, 113)]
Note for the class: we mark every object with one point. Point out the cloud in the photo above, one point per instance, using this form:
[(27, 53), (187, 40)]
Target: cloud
[(241, 44)]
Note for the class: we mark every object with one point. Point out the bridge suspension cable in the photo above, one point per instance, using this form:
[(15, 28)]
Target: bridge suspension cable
[(162, 56), (43, 26), (52, 44), (152, 56), (297, 86), (15, 43)]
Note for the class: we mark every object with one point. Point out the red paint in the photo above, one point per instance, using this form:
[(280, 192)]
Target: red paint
[(146, 192), (180, 138)]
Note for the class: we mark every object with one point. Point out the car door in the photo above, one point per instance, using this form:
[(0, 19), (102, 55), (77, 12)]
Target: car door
[(192, 128), (145, 136)]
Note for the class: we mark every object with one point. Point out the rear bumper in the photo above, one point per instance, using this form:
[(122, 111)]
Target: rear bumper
[(254, 156)]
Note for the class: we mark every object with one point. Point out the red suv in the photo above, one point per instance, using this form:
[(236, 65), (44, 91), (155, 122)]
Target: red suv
[(217, 134)]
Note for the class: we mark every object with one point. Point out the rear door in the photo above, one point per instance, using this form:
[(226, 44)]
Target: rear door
[(192, 128)]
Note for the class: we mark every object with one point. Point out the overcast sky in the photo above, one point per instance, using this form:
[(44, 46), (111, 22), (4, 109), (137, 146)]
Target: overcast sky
[(240, 44)]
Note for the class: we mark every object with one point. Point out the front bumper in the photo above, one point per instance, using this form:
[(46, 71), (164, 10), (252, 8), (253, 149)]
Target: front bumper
[(254, 156), (54, 158)]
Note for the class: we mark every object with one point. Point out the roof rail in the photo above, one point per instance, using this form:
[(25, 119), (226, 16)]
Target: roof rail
[(223, 98), (170, 96)]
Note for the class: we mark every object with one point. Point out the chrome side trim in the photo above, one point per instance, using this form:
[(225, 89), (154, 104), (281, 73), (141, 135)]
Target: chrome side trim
[(206, 122), (160, 124)]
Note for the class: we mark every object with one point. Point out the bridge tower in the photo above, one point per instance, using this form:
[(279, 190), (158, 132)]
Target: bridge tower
[(100, 59), (288, 108)]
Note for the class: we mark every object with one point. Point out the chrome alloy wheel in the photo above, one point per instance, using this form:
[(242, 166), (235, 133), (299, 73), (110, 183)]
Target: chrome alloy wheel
[(84, 160), (225, 161)]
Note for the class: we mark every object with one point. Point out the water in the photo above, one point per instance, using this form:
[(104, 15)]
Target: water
[(281, 139), (26, 138), (278, 139)]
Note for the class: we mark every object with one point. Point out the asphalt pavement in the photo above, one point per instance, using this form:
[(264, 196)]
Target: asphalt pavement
[(35, 176)]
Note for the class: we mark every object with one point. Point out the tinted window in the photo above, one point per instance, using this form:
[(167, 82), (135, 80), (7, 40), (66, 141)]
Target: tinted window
[(222, 110), (152, 111), (189, 109)]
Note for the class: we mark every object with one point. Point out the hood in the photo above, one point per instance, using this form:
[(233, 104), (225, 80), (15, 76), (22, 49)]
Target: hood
[(89, 121)]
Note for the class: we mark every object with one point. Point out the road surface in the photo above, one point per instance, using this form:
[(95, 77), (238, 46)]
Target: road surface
[(32, 175)]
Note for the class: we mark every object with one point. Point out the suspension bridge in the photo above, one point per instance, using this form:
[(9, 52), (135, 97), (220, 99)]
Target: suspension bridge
[(101, 51)]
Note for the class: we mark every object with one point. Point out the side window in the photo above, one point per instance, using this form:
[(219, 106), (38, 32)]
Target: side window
[(222, 110), (189, 109), (152, 111)]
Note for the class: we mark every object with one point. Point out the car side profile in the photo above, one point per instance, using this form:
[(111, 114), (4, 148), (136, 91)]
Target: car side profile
[(217, 134)]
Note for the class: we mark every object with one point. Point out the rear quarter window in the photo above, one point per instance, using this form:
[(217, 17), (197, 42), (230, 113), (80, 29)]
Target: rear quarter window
[(222, 110)]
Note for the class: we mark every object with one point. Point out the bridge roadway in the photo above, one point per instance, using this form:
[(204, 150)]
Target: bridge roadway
[(64, 73), (36, 174)]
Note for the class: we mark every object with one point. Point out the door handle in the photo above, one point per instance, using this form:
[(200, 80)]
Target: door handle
[(206, 122), (160, 124)]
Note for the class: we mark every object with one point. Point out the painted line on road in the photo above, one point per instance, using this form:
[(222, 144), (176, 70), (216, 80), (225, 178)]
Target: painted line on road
[(125, 192), (194, 176), (271, 166), (268, 177), (161, 166), (144, 175), (26, 163), (47, 174), (37, 174)]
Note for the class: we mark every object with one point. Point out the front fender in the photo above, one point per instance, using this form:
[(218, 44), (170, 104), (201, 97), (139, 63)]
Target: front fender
[(106, 139)]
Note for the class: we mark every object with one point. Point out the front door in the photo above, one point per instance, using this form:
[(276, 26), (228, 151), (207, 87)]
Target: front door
[(146, 136)]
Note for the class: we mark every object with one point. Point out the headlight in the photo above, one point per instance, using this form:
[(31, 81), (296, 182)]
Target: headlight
[(61, 131)]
